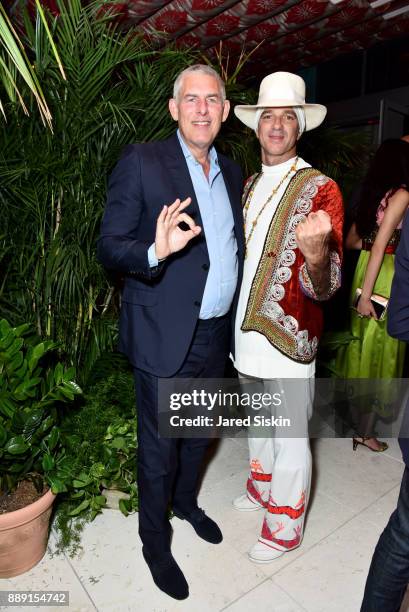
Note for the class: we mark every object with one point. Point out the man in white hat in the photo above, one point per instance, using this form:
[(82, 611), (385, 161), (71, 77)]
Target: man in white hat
[(293, 228)]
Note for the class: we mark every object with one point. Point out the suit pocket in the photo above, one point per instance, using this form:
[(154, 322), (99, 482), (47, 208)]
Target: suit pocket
[(139, 296)]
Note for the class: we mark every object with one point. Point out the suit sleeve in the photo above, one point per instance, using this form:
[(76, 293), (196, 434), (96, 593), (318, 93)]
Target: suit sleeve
[(119, 247), (398, 308), (329, 199)]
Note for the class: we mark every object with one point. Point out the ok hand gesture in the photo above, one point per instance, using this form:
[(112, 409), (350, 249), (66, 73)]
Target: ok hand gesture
[(169, 237)]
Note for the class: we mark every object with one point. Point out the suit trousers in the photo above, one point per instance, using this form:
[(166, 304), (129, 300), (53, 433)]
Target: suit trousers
[(169, 469), (388, 575)]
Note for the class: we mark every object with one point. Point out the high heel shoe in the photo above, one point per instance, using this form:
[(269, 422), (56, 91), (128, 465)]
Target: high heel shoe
[(383, 446)]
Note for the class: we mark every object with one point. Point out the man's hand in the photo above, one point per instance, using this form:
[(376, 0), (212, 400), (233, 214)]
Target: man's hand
[(169, 237), (312, 235)]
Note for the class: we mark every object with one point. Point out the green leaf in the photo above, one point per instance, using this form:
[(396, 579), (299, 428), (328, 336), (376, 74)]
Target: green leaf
[(118, 443), (15, 363), (76, 389), (3, 435), (21, 329), (53, 438), (6, 340), (36, 354), (58, 373), (48, 463), (7, 406), (83, 506), (22, 371), (77, 494), (80, 482), (16, 446), (32, 421), (15, 346), (26, 389), (65, 394), (125, 506), (68, 375), (4, 327), (57, 485)]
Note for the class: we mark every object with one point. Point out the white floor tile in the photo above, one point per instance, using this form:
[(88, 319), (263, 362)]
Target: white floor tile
[(53, 573), (117, 578), (394, 450), (356, 479), (227, 458), (380, 511), (267, 597), (331, 576), (352, 498)]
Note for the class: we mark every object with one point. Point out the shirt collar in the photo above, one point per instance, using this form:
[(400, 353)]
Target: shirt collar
[(188, 154)]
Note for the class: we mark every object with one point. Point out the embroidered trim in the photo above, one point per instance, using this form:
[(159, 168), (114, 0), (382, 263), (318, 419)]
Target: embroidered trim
[(251, 490), (335, 278), (260, 477), (263, 313), (269, 534), (248, 185)]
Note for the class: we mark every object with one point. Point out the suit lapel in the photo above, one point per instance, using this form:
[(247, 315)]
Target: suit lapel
[(179, 176)]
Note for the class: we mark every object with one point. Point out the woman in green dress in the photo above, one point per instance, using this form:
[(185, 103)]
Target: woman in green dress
[(373, 354)]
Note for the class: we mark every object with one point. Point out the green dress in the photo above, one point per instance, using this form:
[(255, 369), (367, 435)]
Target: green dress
[(373, 354)]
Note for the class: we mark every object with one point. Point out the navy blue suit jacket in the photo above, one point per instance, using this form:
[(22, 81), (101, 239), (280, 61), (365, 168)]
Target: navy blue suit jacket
[(160, 306), (398, 314)]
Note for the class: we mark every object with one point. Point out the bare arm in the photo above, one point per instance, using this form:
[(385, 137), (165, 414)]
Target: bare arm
[(353, 240), (397, 207)]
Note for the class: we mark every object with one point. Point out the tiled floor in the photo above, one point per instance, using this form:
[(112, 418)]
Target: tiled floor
[(352, 498)]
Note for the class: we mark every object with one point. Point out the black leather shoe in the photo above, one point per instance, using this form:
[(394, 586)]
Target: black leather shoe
[(167, 575), (204, 526)]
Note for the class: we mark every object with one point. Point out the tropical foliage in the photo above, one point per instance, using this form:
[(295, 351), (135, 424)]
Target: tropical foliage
[(31, 391), (52, 185), (15, 65)]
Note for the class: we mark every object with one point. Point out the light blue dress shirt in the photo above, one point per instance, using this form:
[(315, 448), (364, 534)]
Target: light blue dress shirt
[(218, 226)]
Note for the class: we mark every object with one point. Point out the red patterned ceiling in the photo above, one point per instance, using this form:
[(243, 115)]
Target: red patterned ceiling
[(292, 33)]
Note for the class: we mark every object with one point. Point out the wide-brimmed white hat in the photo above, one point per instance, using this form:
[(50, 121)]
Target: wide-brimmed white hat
[(281, 89)]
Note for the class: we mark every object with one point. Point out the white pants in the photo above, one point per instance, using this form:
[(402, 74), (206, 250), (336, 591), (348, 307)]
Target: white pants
[(280, 467)]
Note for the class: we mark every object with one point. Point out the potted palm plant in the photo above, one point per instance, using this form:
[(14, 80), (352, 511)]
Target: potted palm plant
[(33, 469)]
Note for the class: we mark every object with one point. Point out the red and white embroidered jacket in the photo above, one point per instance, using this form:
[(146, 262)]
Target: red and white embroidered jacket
[(283, 304)]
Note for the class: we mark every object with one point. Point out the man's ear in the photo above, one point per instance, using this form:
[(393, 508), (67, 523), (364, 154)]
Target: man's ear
[(226, 110), (173, 109)]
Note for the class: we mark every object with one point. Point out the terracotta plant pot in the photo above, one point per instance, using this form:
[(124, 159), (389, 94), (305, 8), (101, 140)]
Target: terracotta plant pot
[(24, 536)]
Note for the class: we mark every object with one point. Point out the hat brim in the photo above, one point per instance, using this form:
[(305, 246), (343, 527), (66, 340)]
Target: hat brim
[(314, 113)]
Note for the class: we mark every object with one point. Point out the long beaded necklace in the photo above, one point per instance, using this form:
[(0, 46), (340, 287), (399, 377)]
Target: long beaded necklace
[(270, 197)]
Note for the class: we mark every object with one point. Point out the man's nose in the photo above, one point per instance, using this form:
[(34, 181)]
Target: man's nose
[(202, 106), (277, 123)]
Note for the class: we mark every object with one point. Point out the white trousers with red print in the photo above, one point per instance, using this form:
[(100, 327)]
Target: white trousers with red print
[(280, 466)]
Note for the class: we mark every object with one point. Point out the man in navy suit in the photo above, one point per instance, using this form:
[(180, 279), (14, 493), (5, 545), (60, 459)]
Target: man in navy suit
[(388, 575), (173, 227)]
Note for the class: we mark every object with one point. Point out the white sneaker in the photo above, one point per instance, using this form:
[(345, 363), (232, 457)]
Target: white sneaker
[(244, 504), (261, 553)]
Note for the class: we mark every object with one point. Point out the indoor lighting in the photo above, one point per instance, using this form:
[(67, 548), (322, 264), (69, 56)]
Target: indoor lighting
[(377, 3), (399, 11)]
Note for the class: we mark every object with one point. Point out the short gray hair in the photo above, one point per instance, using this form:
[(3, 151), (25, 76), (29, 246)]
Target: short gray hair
[(202, 69)]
